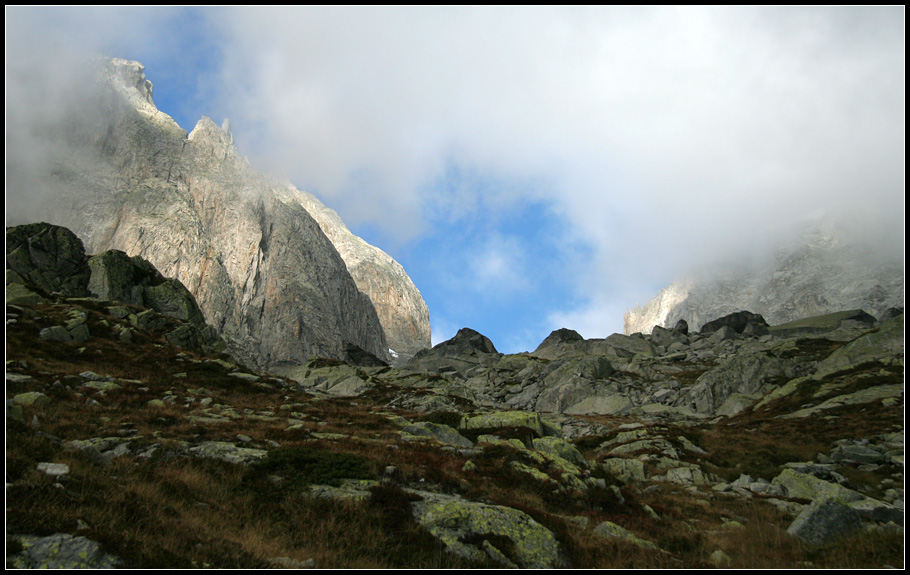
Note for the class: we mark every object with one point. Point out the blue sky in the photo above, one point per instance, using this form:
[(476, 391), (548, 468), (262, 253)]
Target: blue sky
[(531, 168)]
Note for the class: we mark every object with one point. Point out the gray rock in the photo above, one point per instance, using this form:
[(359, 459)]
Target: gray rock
[(884, 342), (614, 531), (454, 520), (441, 433), (227, 452), (625, 469), (53, 469), (49, 257), (61, 551), (823, 521), (801, 485), (667, 337), (56, 333), (31, 398), (500, 419), (559, 447), (857, 454)]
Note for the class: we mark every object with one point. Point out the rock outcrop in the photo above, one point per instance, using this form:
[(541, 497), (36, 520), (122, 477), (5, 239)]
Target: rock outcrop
[(50, 260), (48, 257), (735, 363), (262, 270)]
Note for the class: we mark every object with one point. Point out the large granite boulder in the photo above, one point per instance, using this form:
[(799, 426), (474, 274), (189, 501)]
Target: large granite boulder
[(134, 280), (48, 257), (740, 322), (458, 523)]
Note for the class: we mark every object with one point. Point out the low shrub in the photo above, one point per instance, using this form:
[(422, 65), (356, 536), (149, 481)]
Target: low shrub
[(301, 466)]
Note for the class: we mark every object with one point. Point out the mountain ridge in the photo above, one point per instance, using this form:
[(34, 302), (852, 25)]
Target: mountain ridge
[(262, 269), (826, 271)]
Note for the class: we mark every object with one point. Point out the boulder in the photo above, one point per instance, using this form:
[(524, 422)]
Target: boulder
[(738, 322), (49, 257), (499, 419), (746, 374), (134, 280), (614, 531), (441, 433), (667, 337), (823, 521), (624, 469), (456, 521), (459, 356), (227, 451), (31, 398), (884, 342), (804, 486), (682, 326), (466, 342), (559, 343), (60, 551), (558, 447)]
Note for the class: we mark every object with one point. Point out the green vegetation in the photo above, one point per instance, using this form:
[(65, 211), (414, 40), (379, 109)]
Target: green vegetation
[(302, 466)]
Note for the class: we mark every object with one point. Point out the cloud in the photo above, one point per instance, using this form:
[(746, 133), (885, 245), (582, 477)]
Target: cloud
[(663, 138), (499, 266), (679, 118)]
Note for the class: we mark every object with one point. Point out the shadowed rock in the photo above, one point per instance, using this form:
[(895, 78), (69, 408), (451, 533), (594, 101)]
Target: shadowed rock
[(739, 322), (822, 522), (48, 257)]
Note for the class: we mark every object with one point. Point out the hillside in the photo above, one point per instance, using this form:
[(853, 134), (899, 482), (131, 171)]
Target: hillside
[(743, 446)]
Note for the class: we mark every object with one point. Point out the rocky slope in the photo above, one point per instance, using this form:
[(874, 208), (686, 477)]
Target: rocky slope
[(726, 448), (264, 273), (743, 445), (827, 273)]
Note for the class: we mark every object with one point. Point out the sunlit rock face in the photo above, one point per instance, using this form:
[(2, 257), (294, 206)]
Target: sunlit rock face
[(402, 312), (825, 273), (123, 175)]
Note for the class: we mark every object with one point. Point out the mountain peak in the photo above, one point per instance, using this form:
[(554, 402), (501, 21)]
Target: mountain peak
[(264, 273)]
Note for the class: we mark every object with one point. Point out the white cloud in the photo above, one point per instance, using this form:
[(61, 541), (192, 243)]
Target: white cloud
[(499, 267), (668, 137)]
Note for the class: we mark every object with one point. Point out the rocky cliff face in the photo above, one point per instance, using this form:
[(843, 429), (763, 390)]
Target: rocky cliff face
[(827, 273), (264, 273), (402, 312)]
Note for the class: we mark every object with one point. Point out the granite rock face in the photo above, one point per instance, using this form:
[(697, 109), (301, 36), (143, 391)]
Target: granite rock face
[(402, 312), (261, 268)]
